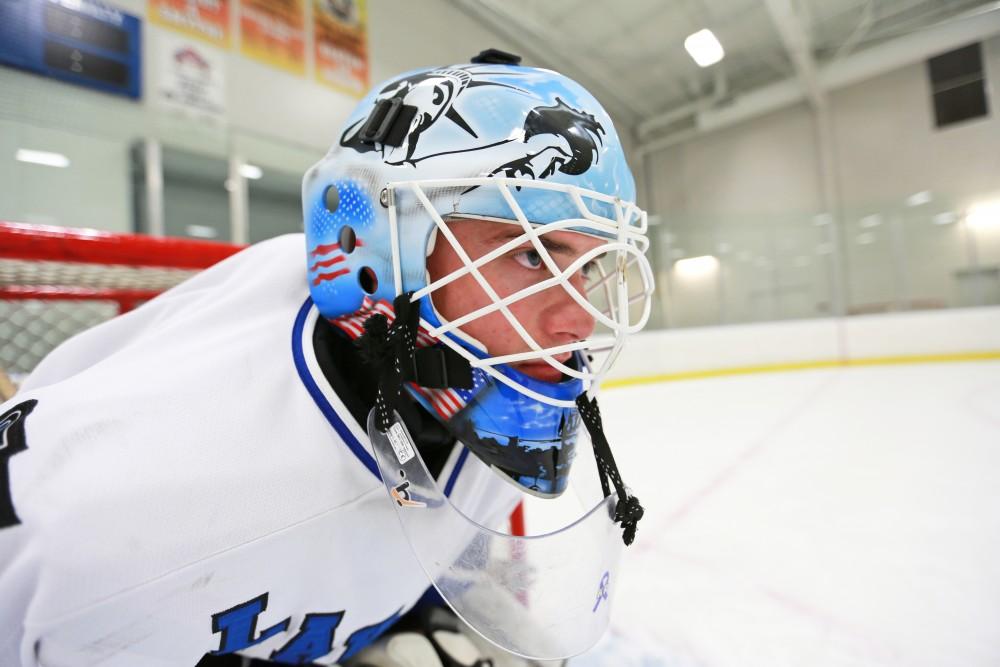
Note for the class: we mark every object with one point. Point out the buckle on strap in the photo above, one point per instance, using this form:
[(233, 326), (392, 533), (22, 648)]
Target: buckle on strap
[(388, 122), (440, 368)]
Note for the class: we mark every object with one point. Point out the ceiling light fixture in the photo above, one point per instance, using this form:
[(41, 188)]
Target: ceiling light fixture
[(704, 47), (696, 267), (202, 231), (45, 158), (251, 171), (983, 216)]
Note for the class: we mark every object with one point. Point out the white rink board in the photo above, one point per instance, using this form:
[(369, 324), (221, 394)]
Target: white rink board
[(896, 334)]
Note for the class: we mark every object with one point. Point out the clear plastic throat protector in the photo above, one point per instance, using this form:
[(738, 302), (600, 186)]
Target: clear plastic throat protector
[(544, 597)]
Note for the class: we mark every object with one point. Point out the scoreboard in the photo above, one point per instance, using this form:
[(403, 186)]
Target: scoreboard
[(80, 41)]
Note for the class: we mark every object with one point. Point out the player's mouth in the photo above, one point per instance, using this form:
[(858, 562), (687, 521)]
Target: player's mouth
[(541, 370)]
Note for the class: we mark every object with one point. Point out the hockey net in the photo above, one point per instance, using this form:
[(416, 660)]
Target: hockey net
[(56, 282)]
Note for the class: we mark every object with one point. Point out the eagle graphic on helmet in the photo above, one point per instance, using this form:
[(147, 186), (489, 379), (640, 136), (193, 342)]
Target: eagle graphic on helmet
[(580, 130), (572, 136)]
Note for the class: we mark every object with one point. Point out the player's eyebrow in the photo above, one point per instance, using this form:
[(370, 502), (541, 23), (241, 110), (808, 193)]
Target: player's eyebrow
[(549, 244)]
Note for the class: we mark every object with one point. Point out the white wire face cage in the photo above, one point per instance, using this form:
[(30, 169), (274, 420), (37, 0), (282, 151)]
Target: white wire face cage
[(618, 288)]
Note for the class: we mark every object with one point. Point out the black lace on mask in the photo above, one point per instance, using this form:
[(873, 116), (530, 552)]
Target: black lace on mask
[(628, 511), (390, 349)]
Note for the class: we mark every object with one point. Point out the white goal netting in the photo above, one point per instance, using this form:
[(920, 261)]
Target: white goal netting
[(56, 282)]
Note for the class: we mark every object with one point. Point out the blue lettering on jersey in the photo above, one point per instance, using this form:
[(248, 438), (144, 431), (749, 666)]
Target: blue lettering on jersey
[(313, 641), (239, 625), (362, 637)]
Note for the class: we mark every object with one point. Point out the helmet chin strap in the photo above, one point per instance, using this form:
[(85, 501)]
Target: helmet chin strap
[(393, 350), (628, 511), (390, 349)]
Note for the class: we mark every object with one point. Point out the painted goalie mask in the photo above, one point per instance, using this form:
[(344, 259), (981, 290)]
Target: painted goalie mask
[(495, 142)]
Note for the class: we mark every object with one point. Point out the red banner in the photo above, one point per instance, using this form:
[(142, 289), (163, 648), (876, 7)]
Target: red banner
[(273, 32), (341, 44), (204, 19)]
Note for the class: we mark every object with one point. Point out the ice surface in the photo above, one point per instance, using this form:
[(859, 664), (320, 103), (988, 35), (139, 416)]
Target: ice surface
[(817, 519)]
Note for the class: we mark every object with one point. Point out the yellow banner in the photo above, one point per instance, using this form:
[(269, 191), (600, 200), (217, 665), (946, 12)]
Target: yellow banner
[(204, 19), (273, 32), (341, 44)]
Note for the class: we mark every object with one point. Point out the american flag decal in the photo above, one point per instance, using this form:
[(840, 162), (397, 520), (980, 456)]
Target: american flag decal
[(318, 264), (446, 402)]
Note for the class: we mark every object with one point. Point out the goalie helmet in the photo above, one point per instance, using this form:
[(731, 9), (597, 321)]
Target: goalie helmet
[(498, 142)]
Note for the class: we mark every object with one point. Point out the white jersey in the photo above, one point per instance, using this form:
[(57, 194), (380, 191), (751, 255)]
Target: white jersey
[(183, 480)]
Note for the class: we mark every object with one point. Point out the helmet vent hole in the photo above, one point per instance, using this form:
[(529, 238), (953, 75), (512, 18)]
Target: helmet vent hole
[(347, 239), (368, 279), (331, 199)]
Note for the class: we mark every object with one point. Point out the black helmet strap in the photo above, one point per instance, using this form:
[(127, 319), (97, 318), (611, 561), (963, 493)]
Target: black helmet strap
[(628, 511)]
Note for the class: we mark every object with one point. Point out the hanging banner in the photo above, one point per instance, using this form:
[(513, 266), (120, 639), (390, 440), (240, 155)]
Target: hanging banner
[(191, 78), (204, 19), (341, 40), (273, 32)]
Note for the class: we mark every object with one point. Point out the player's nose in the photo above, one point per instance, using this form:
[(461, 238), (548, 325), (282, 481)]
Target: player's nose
[(566, 319)]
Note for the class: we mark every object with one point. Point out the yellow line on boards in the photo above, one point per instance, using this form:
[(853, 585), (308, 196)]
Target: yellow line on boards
[(989, 355)]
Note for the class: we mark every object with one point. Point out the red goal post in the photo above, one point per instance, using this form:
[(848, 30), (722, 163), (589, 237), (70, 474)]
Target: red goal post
[(57, 281)]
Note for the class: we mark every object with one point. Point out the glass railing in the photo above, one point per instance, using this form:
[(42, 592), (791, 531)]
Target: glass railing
[(926, 251)]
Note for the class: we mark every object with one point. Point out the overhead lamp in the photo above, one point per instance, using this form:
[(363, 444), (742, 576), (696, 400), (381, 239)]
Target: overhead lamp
[(696, 267), (45, 158), (919, 198), (984, 215), (946, 218), (870, 221), (202, 231), (704, 47), (251, 171)]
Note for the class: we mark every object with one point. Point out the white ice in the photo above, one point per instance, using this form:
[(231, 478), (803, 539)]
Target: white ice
[(816, 518)]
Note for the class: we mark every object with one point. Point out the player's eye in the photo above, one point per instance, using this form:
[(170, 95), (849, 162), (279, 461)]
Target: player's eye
[(589, 269), (529, 259)]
